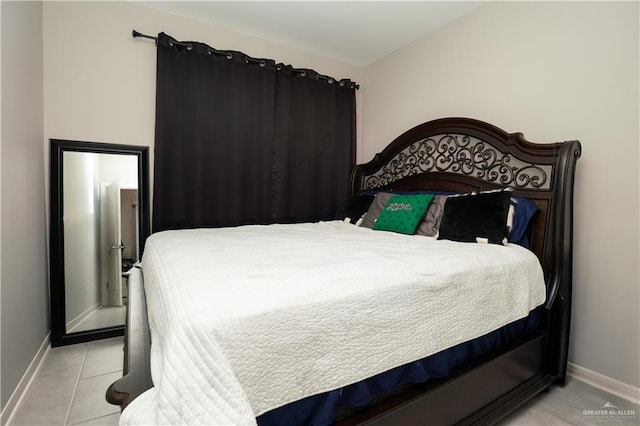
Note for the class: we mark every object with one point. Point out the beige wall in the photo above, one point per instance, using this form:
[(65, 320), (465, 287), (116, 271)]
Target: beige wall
[(555, 71), (100, 82), (25, 297)]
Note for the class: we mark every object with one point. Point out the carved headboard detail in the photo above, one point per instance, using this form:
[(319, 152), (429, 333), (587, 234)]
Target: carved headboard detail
[(462, 154)]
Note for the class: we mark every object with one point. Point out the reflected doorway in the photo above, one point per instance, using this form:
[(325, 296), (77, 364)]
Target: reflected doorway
[(101, 237)]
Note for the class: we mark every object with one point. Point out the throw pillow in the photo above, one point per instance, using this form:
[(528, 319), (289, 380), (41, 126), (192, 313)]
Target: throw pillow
[(476, 218), (402, 213)]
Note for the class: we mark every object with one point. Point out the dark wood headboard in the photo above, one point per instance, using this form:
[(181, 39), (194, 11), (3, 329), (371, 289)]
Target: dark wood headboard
[(462, 155)]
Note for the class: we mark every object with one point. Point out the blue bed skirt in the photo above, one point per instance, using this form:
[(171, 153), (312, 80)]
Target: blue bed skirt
[(322, 409)]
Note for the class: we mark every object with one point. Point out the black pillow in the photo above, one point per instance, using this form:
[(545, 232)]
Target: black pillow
[(356, 206), (476, 218)]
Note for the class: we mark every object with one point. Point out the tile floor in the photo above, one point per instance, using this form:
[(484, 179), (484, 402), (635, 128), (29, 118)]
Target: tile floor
[(575, 404), (105, 316), (70, 389)]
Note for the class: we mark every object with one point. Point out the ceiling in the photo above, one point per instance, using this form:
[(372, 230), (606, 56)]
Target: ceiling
[(355, 32)]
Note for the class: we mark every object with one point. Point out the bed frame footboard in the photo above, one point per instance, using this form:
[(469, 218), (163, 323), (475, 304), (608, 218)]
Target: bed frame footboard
[(480, 393), (137, 347)]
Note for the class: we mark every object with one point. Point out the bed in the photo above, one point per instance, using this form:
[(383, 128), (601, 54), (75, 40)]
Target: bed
[(372, 317)]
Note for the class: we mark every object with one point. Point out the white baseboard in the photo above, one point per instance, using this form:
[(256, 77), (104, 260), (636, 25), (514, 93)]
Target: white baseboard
[(24, 383), (600, 381), (77, 320)]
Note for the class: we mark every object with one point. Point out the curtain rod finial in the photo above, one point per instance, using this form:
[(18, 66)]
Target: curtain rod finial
[(135, 34)]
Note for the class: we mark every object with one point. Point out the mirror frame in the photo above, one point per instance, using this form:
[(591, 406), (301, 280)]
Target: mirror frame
[(59, 335)]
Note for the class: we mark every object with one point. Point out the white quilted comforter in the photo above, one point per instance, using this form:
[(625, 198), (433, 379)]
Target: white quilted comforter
[(247, 319)]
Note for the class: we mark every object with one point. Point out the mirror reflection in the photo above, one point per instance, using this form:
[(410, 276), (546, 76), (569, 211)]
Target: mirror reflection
[(101, 235)]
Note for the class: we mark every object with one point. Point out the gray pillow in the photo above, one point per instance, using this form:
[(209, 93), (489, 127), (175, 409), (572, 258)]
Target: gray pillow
[(430, 224), (375, 209)]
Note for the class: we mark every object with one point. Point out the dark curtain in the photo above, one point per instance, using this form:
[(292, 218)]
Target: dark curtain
[(315, 145), (245, 141)]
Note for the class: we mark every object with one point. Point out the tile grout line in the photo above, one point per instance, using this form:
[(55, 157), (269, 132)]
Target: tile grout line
[(84, 365), (93, 418), (75, 389)]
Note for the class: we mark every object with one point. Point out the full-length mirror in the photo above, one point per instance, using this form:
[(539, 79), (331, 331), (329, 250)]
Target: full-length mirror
[(99, 222)]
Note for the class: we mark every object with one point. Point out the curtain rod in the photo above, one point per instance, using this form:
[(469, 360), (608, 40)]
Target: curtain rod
[(135, 34), (229, 55)]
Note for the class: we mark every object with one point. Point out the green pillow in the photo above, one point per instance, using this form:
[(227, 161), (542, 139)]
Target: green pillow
[(403, 213)]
